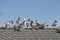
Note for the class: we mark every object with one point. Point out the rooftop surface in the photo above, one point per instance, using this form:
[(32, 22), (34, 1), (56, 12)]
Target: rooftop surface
[(40, 34)]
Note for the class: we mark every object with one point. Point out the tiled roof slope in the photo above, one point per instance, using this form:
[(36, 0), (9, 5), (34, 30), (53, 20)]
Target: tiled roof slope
[(40, 34)]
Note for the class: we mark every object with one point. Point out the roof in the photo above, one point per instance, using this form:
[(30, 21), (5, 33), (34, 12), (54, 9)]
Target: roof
[(43, 34)]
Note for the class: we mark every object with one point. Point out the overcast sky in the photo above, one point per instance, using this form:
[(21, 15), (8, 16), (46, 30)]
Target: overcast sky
[(41, 10)]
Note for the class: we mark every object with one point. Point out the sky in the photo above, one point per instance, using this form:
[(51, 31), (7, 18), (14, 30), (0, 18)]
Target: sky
[(41, 10)]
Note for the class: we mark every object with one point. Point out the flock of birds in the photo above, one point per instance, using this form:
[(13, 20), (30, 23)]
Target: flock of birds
[(29, 25)]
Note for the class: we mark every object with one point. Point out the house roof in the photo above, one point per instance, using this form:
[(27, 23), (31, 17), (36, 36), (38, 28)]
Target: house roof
[(43, 34)]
